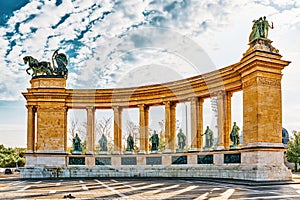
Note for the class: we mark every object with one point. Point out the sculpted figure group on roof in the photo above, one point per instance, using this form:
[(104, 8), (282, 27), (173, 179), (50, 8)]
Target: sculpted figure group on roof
[(260, 29)]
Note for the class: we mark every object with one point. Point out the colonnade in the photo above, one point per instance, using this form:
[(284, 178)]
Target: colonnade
[(196, 117)]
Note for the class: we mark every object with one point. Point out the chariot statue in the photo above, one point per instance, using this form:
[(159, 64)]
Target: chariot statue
[(39, 68)]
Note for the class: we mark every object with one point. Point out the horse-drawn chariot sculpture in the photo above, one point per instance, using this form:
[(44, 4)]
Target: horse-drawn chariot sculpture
[(44, 68)]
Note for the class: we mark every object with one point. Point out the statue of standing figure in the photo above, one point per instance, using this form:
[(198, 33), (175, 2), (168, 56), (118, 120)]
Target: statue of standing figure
[(77, 149), (130, 143), (103, 143), (260, 29), (208, 137), (181, 139), (234, 135), (154, 139)]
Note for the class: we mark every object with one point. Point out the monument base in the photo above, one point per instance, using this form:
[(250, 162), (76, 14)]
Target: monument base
[(252, 163)]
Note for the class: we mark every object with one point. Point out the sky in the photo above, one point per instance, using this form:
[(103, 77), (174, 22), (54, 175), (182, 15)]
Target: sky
[(111, 44)]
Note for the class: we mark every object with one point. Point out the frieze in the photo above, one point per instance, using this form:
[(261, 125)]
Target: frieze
[(52, 109), (273, 82), (249, 83), (262, 81)]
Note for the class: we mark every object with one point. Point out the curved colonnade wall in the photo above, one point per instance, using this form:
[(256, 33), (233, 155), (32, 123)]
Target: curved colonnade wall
[(258, 75)]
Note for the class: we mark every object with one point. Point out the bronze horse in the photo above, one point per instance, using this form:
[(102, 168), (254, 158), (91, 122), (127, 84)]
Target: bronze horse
[(38, 68)]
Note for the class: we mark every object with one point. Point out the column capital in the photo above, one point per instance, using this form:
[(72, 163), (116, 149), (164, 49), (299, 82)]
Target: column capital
[(169, 103), (90, 108), (31, 107), (142, 106), (117, 108), (221, 93), (193, 99), (229, 93), (218, 93)]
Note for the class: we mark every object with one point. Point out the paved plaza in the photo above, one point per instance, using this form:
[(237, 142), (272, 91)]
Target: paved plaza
[(115, 188)]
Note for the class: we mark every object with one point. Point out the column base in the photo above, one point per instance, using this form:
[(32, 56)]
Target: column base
[(103, 152), (194, 150), (168, 151), (220, 148), (116, 153), (142, 152), (89, 153)]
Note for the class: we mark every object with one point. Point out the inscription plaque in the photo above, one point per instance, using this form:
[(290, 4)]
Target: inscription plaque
[(153, 160), (179, 160), (103, 161), (205, 159), (128, 161), (76, 161), (232, 158)]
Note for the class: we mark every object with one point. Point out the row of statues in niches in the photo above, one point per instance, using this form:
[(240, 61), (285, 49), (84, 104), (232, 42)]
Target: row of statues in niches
[(155, 141)]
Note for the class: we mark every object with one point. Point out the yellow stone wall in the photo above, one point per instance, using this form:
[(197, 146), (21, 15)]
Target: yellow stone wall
[(51, 128)]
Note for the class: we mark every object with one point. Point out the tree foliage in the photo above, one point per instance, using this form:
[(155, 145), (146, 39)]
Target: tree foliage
[(293, 151), (10, 156)]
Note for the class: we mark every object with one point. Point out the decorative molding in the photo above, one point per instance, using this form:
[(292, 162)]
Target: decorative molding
[(261, 45), (52, 109), (273, 82), (249, 83), (262, 81)]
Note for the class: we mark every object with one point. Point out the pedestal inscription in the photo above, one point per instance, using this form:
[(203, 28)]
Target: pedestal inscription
[(103, 161), (153, 160)]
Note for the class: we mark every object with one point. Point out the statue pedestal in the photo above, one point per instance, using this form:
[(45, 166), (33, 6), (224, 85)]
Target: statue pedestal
[(48, 82), (76, 153)]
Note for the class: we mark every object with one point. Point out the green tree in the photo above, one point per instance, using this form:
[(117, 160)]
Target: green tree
[(10, 156), (293, 151)]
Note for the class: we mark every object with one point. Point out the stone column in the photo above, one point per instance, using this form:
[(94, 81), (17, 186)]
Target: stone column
[(228, 124), (117, 129), (221, 119), (31, 110), (144, 133), (90, 129), (200, 124), (170, 126), (66, 130), (196, 142)]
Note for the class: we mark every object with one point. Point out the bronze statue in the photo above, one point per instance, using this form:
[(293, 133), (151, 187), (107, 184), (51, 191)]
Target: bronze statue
[(154, 139), (260, 29), (77, 149), (234, 135), (130, 143), (266, 26), (45, 68), (208, 137), (103, 143), (181, 139), (62, 62)]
